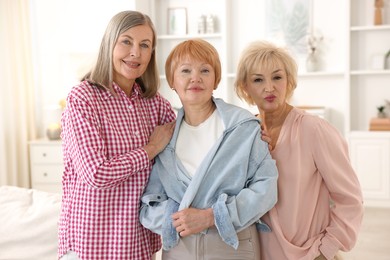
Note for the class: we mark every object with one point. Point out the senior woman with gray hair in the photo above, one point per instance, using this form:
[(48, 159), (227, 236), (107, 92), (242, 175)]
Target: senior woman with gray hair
[(113, 126)]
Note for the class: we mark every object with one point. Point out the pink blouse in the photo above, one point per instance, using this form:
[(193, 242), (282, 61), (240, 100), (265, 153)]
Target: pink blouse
[(320, 205)]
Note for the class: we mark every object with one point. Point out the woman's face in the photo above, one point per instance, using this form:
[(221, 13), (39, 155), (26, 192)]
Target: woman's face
[(267, 85), (132, 53), (194, 82)]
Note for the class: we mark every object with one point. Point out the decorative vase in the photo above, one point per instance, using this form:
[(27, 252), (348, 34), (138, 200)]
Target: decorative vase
[(210, 24), (312, 62), (381, 115), (53, 132), (202, 24)]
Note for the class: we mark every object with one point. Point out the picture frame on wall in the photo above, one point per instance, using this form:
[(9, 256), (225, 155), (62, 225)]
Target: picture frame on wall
[(288, 23), (177, 21)]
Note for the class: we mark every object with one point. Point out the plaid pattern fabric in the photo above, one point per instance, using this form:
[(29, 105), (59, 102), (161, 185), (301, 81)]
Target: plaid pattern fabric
[(106, 170)]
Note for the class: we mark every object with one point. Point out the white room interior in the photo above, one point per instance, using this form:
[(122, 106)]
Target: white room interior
[(347, 89)]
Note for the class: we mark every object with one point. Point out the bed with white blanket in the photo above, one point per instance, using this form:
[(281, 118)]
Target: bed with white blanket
[(28, 223)]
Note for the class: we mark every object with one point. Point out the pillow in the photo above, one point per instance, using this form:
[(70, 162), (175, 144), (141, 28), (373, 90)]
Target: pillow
[(28, 223)]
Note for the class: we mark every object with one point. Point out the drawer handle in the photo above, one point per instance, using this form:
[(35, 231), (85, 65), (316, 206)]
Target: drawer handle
[(44, 154), (45, 174)]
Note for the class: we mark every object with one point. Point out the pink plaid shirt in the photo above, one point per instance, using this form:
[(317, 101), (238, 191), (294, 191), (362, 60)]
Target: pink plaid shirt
[(106, 170)]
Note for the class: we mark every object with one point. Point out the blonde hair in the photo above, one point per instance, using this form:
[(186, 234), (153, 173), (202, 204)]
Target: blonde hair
[(102, 73), (196, 49), (261, 54)]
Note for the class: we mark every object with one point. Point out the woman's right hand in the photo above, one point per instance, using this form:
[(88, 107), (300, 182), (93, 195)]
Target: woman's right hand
[(159, 138), (191, 221)]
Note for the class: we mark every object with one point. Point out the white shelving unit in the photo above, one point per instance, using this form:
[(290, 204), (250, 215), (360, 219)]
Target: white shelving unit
[(158, 11), (369, 84), (368, 87)]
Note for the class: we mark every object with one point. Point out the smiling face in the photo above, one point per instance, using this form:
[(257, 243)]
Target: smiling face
[(194, 82), (267, 86), (131, 55)]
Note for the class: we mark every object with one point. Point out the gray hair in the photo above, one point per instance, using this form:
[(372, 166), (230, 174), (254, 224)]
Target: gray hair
[(101, 74)]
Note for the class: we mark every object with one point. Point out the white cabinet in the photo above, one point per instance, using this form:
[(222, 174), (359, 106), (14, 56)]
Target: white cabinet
[(46, 165), (370, 157), (368, 83)]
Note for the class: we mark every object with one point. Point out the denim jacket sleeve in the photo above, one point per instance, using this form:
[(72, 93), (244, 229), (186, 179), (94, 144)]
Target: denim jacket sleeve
[(223, 223), (153, 204), (156, 211), (169, 234)]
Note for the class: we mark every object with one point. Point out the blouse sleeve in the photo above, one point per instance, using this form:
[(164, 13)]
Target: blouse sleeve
[(332, 160)]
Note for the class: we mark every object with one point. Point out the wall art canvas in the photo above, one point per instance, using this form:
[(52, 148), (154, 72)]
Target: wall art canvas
[(177, 21), (287, 23)]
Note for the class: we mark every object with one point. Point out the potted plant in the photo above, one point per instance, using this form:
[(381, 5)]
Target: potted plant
[(313, 60), (381, 112), (387, 60)]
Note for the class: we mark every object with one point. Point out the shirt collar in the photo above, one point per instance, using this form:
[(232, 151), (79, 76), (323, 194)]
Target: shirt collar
[(136, 93)]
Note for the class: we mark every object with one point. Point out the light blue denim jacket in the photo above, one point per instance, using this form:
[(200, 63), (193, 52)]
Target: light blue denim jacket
[(237, 178)]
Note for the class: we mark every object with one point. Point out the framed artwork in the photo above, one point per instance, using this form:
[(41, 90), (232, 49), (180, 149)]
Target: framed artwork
[(177, 21), (288, 22)]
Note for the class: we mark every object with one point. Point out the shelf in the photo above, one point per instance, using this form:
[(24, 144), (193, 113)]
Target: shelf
[(309, 74), (322, 74), (45, 141), (370, 72), (369, 134), (189, 36), (370, 28)]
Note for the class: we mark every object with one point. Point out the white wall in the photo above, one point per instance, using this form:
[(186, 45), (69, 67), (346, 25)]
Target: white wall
[(66, 37), (67, 34), (330, 20)]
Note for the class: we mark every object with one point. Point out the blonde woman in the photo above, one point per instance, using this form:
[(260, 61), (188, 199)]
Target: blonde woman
[(320, 207)]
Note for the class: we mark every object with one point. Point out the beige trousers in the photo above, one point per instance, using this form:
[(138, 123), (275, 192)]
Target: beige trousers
[(211, 247)]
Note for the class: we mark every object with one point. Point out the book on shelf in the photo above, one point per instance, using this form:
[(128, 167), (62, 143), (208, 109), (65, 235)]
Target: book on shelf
[(380, 124)]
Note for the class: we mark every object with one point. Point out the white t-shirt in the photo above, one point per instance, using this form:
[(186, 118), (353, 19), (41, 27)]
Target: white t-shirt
[(194, 142)]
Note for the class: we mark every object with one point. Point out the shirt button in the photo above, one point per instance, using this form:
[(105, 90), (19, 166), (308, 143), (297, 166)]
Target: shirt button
[(130, 106)]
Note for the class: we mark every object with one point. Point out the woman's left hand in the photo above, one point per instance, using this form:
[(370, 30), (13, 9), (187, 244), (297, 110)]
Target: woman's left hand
[(265, 137), (192, 221)]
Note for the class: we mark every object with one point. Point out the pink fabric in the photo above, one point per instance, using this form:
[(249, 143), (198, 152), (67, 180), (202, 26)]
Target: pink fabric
[(106, 170), (313, 163)]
